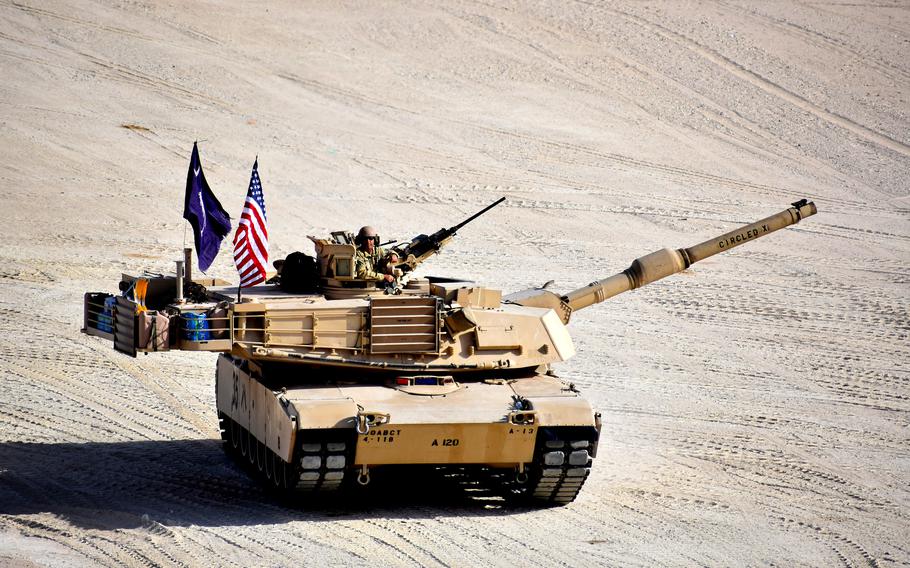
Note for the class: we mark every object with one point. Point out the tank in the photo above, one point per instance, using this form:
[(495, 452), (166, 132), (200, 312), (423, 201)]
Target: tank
[(320, 387)]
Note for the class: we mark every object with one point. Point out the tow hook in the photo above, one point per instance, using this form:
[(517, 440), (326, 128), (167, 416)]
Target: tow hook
[(367, 419), (363, 478), (521, 476)]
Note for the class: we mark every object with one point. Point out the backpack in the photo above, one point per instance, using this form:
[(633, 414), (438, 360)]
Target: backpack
[(299, 274)]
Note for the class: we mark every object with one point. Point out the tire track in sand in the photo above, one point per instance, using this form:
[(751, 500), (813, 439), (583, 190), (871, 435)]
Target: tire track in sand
[(35, 11), (820, 40), (764, 84)]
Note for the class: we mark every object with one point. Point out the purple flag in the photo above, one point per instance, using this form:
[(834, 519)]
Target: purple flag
[(201, 208)]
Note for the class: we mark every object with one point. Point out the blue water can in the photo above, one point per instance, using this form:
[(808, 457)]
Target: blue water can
[(106, 317), (196, 327)]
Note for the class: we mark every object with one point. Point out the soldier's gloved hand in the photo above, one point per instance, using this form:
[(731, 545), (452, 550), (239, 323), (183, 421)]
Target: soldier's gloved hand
[(388, 278)]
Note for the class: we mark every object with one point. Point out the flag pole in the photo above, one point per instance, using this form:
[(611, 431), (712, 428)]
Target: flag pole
[(195, 142), (187, 257)]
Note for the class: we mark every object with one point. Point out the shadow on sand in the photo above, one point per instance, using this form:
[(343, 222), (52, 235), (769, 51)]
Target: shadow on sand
[(183, 482)]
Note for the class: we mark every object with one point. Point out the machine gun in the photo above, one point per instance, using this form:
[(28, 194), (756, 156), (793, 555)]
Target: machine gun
[(423, 247)]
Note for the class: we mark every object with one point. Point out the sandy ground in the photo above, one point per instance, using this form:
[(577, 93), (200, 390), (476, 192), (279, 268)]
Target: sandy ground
[(756, 408)]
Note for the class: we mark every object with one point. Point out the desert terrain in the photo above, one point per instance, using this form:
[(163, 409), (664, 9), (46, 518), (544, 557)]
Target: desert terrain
[(756, 408)]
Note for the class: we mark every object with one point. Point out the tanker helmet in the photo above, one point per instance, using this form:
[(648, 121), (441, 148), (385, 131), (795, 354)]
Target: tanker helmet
[(365, 233)]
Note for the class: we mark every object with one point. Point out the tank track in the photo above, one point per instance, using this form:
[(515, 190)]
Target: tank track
[(322, 464), (319, 466), (562, 468), (562, 463)]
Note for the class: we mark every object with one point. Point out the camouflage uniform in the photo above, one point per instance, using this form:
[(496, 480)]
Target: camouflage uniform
[(365, 264)]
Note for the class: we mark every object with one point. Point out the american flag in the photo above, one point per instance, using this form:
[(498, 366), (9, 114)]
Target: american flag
[(251, 241)]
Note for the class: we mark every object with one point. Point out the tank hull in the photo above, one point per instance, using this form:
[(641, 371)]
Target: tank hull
[(321, 434)]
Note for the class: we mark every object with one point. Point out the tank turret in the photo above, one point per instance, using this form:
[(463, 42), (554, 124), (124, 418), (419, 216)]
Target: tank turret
[(336, 261)]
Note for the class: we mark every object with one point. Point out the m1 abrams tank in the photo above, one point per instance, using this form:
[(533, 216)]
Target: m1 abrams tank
[(317, 390)]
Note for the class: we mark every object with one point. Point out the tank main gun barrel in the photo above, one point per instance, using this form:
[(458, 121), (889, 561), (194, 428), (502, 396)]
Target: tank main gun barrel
[(665, 262)]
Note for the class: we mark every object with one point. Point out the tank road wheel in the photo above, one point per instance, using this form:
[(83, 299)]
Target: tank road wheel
[(244, 441), (279, 479), (260, 456), (265, 464), (236, 433), (319, 465), (251, 449), (269, 465), (279, 472)]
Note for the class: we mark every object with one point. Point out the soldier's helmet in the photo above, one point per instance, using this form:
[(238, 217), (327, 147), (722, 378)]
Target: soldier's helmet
[(365, 233)]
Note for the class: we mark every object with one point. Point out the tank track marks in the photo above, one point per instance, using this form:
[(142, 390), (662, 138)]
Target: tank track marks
[(562, 463), (319, 465)]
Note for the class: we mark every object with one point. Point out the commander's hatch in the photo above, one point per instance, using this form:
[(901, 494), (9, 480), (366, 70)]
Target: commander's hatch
[(336, 257), (343, 237)]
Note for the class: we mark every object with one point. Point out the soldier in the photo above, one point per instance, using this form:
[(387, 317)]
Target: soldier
[(369, 255)]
